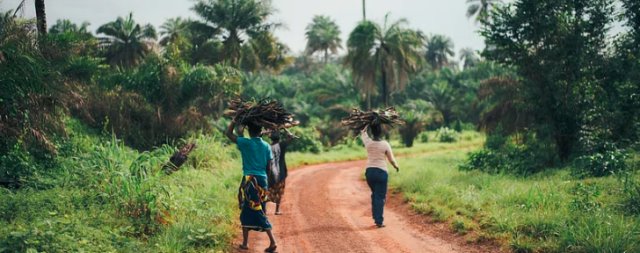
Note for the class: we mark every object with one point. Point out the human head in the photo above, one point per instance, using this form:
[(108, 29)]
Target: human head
[(376, 131), (254, 130), (275, 136)]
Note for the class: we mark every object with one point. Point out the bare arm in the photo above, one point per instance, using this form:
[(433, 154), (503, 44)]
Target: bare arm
[(365, 137), (229, 133), (391, 158)]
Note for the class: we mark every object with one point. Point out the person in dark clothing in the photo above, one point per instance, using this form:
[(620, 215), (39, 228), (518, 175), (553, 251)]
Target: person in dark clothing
[(278, 175)]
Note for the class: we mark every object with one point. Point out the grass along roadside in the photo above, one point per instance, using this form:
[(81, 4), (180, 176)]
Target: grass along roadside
[(549, 212), (105, 197), (356, 151)]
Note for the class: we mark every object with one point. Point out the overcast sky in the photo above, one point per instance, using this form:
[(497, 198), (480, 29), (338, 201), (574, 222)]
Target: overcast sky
[(430, 16)]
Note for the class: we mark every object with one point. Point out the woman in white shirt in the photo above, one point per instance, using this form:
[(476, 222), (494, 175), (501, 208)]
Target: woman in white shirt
[(378, 152)]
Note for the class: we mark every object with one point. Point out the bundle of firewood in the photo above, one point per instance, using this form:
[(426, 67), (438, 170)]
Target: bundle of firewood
[(358, 120), (178, 158), (269, 114)]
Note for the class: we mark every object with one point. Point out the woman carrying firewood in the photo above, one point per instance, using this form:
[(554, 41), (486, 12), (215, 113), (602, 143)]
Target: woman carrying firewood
[(256, 160), (279, 168), (378, 152)]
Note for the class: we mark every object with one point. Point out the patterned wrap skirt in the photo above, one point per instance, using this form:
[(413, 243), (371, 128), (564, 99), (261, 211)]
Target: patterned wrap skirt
[(253, 196), (277, 191)]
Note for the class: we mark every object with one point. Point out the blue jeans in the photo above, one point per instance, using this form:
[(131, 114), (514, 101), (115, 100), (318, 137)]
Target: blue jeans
[(377, 180)]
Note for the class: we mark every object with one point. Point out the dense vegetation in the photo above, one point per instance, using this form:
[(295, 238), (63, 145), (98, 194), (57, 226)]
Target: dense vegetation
[(87, 120)]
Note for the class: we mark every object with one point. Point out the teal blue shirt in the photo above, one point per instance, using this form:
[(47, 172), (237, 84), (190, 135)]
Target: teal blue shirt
[(256, 154)]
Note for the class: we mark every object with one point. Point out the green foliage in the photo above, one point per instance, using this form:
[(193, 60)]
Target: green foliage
[(608, 162), (31, 103), (541, 213), (424, 137), (127, 42), (412, 114), (567, 85), (445, 134), (307, 141), (236, 19), (439, 51), (389, 53), (499, 156), (323, 35)]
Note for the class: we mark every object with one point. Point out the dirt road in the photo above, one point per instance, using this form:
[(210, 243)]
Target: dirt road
[(327, 208)]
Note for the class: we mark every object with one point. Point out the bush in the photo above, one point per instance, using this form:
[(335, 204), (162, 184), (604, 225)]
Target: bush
[(445, 134), (424, 137), (607, 162), (511, 159), (307, 140)]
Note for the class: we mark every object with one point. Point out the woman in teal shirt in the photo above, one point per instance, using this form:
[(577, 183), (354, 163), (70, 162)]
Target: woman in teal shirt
[(256, 160)]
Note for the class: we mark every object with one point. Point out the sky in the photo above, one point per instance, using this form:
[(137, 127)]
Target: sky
[(430, 16)]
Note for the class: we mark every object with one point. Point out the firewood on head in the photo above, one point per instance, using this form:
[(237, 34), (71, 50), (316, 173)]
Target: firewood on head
[(267, 113), (358, 120)]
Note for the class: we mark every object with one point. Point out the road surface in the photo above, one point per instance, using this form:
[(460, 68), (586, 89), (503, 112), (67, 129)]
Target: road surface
[(327, 208)]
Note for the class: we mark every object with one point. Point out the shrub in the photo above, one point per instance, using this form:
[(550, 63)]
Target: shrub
[(606, 162), (307, 140), (519, 160), (424, 137), (445, 134)]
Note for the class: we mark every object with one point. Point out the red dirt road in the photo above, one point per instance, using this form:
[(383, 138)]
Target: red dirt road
[(327, 208)]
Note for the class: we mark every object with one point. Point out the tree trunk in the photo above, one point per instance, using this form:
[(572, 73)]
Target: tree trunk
[(41, 17), (385, 91), (326, 56), (364, 10)]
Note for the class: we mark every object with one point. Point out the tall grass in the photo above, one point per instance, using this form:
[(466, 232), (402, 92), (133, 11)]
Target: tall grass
[(549, 212), (107, 197)]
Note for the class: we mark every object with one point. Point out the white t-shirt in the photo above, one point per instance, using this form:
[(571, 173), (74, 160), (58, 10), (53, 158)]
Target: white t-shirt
[(377, 152)]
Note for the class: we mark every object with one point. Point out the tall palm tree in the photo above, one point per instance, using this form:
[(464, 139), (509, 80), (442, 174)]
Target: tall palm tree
[(480, 8), (237, 20), (126, 41), (439, 50), (469, 57), (391, 52), (41, 17), (323, 35), (174, 30)]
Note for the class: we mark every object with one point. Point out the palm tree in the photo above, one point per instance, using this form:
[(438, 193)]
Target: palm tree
[(41, 17), (480, 8), (443, 98), (323, 35), (174, 30), (126, 41), (469, 57), (237, 20), (66, 26), (439, 50), (391, 52)]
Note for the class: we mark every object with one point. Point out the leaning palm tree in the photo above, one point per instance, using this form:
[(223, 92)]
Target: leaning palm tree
[(237, 20), (439, 50), (469, 57), (126, 42), (391, 52), (480, 8), (323, 35), (174, 30)]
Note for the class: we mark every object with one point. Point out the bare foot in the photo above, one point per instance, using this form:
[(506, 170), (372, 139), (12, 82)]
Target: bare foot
[(243, 247), (271, 249)]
